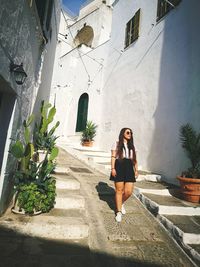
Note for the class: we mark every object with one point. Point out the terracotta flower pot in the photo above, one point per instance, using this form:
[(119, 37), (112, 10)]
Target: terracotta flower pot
[(190, 189), (87, 143)]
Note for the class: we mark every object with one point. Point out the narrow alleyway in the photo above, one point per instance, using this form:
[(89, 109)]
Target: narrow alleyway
[(81, 230)]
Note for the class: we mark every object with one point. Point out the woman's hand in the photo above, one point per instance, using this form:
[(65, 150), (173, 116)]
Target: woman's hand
[(136, 173), (113, 172)]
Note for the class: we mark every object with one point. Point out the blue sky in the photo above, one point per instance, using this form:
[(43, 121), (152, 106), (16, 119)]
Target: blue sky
[(73, 5)]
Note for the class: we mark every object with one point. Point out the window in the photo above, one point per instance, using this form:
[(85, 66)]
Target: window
[(132, 29), (44, 9), (164, 6)]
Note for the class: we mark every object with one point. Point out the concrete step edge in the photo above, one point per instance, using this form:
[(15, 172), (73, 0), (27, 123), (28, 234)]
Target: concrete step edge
[(68, 184), (161, 192), (185, 240), (155, 208), (176, 233), (56, 231), (61, 170), (70, 202)]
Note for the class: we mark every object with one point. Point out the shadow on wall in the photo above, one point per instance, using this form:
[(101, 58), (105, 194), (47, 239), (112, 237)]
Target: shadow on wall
[(176, 99), (23, 250)]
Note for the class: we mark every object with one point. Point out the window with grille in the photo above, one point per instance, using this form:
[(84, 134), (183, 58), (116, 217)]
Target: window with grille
[(164, 6), (132, 29)]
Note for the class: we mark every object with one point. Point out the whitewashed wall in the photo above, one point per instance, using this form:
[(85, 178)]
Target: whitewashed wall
[(153, 85), (22, 41), (80, 70)]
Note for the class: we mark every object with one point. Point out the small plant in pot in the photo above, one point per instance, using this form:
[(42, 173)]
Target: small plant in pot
[(88, 134), (44, 139), (190, 179)]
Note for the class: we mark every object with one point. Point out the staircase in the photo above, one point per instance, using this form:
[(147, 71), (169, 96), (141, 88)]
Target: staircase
[(66, 221)]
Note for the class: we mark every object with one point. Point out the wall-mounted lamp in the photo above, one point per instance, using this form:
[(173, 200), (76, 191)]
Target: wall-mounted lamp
[(19, 73)]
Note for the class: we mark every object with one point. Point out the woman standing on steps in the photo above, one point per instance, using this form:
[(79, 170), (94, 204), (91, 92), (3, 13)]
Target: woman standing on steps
[(123, 169)]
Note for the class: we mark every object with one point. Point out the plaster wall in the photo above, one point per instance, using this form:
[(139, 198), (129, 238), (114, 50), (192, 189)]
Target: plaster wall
[(100, 21), (153, 85), (22, 41), (74, 80), (89, 6), (79, 70)]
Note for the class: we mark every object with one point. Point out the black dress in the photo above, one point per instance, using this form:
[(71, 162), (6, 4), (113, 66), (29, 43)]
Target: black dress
[(124, 169)]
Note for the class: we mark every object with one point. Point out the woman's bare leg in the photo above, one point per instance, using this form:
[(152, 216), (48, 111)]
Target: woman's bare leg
[(119, 191), (128, 190)]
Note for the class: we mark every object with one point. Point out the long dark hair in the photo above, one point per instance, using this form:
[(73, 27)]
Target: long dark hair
[(130, 144)]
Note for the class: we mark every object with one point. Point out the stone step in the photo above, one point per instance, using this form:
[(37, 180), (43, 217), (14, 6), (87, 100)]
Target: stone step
[(188, 227), (70, 202), (52, 227), (61, 170), (97, 154), (180, 218), (75, 139), (68, 183), (166, 205), (66, 212), (161, 192), (63, 193), (101, 160)]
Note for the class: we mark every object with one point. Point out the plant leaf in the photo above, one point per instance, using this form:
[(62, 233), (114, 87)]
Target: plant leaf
[(17, 150)]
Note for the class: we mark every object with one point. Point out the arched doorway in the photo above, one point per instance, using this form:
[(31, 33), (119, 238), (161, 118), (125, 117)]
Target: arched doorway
[(82, 112)]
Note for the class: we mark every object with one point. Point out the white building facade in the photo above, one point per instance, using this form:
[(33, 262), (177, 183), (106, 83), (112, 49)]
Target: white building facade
[(139, 68)]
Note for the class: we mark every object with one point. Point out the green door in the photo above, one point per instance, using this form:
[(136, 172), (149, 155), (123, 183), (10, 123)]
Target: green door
[(82, 112)]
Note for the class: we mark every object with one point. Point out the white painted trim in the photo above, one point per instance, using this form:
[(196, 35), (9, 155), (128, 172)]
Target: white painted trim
[(6, 149)]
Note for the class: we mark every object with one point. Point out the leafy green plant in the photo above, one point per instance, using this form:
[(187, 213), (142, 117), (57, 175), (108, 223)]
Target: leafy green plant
[(34, 185), (89, 132), (190, 140), (36, 191), (43, 137), (33, 198)]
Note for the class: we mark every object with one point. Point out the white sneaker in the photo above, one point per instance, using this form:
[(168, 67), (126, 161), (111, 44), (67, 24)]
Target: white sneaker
[(118, 216), (123, 209)]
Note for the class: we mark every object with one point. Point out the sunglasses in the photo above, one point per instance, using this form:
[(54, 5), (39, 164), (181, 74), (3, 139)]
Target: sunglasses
[(128, 132)]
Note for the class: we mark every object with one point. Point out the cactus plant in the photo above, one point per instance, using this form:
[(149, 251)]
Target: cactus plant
[(23, 151), (43, 137)]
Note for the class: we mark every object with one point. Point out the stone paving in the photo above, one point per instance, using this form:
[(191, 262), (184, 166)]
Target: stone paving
[(164, 201), (139, 240)]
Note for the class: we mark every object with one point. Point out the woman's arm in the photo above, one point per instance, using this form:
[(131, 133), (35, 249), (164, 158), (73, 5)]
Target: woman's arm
[(136, 169), (113, 158)]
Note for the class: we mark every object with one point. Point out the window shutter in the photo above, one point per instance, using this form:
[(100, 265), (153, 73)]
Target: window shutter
[(136, 25), (127, 38), (132, 29)]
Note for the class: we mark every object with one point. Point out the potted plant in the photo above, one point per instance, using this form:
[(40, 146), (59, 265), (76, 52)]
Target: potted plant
[(44, 139), (88, 134), (190, 179), (35, 188)]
